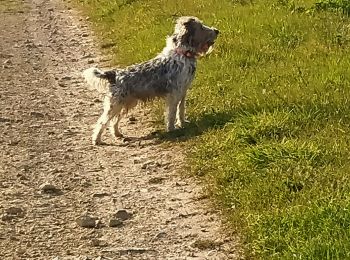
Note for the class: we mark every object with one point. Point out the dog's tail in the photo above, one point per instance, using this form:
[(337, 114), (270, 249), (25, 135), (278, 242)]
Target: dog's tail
[(99, 79)]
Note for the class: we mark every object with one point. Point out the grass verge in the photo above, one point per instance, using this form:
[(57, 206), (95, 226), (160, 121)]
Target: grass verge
[(269, 110)]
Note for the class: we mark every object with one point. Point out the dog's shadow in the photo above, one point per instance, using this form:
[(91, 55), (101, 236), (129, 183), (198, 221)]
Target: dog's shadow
[(213, 120), (194, 128)]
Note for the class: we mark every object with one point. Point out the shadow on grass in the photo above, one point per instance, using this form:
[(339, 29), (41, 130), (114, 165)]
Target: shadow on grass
[(214, 120), (306, 109)]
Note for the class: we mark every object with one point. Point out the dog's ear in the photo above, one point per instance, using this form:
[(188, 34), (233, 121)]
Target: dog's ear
[(185, 20), (185, 27), (187, 23)]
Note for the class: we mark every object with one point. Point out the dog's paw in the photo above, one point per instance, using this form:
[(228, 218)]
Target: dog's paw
[(118, 135), (170, 128), (182, 124), (97, 142)]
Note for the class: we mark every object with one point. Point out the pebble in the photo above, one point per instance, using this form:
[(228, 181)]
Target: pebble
[(122, 214), (127, 139), (160, 235), (115, 222), (145, 165), (132, 119), (98, 243), (6, 55), (100, 194), (20, 251), (149, 164), (156, 180), (11, 213), (14, 211), (49, 188), (137, 161), (37, 114), (86, 221), (6, 217), (66, 78), (205, 244)]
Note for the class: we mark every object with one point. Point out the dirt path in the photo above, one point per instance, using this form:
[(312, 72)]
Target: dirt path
[(46, 118)]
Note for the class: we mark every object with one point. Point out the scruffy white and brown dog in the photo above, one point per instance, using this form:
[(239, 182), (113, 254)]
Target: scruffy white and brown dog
[(168, 76)]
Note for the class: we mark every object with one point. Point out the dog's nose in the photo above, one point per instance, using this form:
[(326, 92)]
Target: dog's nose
[(216, 31)]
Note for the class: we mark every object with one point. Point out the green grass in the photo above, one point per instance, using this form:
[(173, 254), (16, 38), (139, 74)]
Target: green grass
[(270, 112)]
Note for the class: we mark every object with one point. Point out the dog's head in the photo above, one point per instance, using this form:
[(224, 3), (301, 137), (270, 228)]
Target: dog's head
[(192, 35)]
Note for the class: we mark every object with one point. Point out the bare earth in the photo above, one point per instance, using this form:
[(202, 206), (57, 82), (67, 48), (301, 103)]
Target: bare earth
[(46, 119)]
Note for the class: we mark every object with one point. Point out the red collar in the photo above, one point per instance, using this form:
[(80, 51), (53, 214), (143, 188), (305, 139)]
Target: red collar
[(188, 54)]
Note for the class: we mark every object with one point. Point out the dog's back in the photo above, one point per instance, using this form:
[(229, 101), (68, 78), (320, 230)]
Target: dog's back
[(145, 81)]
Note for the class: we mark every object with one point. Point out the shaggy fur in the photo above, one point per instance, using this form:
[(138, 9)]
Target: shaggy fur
[(167, 76)]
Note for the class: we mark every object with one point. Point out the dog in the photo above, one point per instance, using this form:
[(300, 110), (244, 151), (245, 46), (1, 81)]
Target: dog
[(168, 76)]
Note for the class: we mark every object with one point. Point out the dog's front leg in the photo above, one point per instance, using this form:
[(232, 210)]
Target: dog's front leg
[(171, 108), (181, 112)]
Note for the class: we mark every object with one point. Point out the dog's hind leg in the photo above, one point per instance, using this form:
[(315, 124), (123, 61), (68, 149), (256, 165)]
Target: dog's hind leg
[(110, 109), (113, 125)]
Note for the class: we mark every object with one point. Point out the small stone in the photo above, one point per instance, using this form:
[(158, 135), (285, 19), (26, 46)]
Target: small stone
[(11, 213), (160, 235), (6, 217), (180, 184), (137, 161), (104, 59), (13, 142), (144, 166), (14, 211), (49, 188), (127, 139), (90, 61), (150, 164), (115, 222), (134, 250), (84, 34), (21, 251), (86, 221), (122, 214), (37, 114), (100, 195), (156, 180), (98, 243), (66, 78), (95, 242), (205, 244), (6, 55), (132, 119)]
